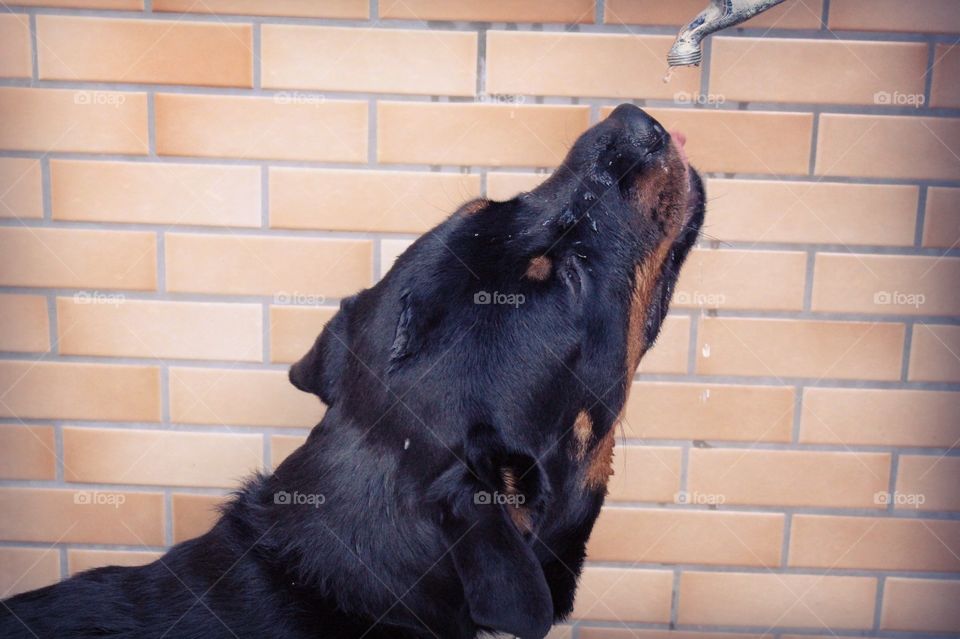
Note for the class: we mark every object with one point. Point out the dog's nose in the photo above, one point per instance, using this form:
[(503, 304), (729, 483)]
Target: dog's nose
[(640, 126)]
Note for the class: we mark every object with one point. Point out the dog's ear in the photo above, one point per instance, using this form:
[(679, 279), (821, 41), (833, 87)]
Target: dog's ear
[(503, 581), (320, 369)]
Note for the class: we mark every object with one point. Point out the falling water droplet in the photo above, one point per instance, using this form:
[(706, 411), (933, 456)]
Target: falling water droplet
[(668, 75), (705, 350), (704, 395), (406, 444)]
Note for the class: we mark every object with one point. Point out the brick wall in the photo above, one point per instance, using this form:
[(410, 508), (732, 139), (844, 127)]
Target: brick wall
[(187, 187)]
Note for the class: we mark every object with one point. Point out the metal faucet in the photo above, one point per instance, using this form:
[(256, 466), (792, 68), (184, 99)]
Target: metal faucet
[(718, 15)]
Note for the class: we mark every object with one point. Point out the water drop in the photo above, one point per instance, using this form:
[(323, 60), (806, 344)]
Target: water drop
[(406, 443), (668, 76), (704, 395), (705, 350)]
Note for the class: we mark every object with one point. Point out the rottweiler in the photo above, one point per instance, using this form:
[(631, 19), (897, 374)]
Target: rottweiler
[(472, 397)]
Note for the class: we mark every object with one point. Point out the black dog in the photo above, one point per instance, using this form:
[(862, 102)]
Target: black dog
[(453, 483)]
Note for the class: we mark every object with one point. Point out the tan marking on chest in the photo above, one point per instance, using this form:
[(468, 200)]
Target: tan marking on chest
[(582, 434), (519, 514), (600, 467), (539, 268)]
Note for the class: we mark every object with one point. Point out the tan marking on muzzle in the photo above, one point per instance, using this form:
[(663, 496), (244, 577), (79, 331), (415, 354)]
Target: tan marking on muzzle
[(473, 207), (539, 268)]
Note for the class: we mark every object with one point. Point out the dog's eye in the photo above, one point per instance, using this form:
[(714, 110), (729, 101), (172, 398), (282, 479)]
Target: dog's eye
[(573, 276)]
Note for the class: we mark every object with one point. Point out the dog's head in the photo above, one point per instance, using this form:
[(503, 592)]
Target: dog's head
[(502, 344)]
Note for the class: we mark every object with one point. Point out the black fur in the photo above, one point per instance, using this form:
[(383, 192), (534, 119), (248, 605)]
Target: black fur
[(440, 407)]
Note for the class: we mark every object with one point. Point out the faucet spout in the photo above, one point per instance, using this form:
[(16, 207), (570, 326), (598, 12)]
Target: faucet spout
[(718, 15)]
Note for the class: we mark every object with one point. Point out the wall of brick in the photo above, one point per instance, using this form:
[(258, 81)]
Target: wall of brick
[(187, 187)]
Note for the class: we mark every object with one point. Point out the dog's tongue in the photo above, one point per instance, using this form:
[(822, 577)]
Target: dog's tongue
[(680, 140)]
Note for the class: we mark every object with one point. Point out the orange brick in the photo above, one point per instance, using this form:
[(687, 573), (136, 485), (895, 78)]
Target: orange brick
[(944, 91), (874, 543), (562, 63), (73, 258), (822, 71), (15, 45), (375, 201), (645, 473), (680, 536), (886, 284), (88, 121), (162, 458), (283, 127), (258, 265), (769, 600), (20, 188), (187, 194), (932, 478), (379, 60), (506, 186), (462, 134), (848, 416), (669, 353), (137, 328), (282, 445), (937, 16), (243, 397), (357, 9), (120, 5), (790, 478), (47, 390), (160, 51), (572, 11), (194, 515), (811, 212), (293, 330), (81, 516), (728, 280), (941, 226), (935, 353), (888, 146), (742, 141), (390, 250), (795, 14), (920, 605), (799, 348), (709, 412), (615, 594), (23, 569), (23, 324), (29, 452), (79, 560)]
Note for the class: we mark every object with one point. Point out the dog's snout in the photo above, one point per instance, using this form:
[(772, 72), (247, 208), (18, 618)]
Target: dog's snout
[(640, 127)]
